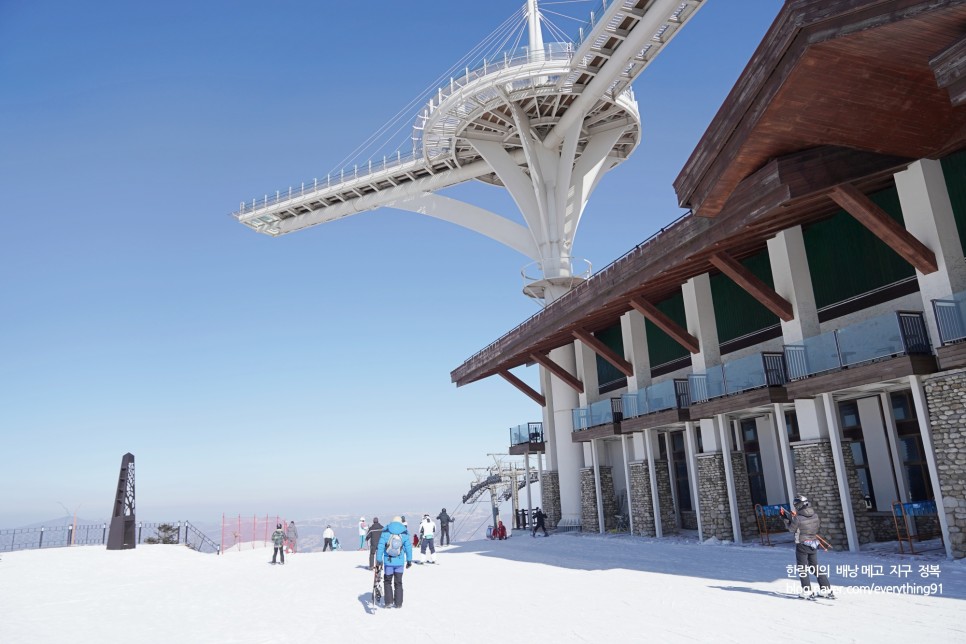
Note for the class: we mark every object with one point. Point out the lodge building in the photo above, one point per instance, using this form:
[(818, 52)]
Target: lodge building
[(802, 328)]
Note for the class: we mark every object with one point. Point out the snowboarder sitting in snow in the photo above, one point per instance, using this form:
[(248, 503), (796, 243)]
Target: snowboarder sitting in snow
[(278, 540), (538, 517), (500, 531), (395, 551), (805, 523)]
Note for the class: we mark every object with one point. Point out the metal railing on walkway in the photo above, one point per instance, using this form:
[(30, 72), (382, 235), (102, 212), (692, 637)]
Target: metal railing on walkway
[(95, 534)]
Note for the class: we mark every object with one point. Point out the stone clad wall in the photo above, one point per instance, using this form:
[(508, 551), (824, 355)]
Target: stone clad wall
[(946, 402), (864, 529), (642, 509), (815, 477), (746, 509), (550, 497), (713, 497), (588, 499), (669, 521)]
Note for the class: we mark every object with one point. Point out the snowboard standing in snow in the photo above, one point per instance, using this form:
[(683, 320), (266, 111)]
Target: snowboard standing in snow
[(377, 585)]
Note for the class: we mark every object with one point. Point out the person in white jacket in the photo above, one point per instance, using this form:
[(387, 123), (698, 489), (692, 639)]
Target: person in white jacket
[(327, 536), (427, 530), (363, 531)]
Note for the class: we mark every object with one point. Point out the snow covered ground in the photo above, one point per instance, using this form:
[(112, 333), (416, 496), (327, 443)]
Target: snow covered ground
[(568, 588)]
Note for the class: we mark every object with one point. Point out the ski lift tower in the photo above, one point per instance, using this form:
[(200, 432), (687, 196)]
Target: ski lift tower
[(546, 122)]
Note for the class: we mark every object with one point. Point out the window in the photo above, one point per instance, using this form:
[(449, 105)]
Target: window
[(609, 377), (756, 475), (852, 429), (791, 427), (679, 466), (911, 452)]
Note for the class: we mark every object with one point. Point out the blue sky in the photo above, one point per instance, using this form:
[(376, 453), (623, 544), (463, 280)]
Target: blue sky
[(302, 375)]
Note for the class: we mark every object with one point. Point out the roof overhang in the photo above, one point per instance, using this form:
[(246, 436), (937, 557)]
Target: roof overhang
[(838, 92)]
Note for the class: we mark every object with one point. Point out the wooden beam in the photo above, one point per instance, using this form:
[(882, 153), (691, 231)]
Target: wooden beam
[(605, 352), (664, 323), (885, 227), (554, 368), (524, 387), (949, 67), (754, 286)]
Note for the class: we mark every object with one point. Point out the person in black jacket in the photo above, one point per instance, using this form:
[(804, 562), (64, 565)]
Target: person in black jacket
[(805, 523), (538, 517), (444, 521), (372, 536)]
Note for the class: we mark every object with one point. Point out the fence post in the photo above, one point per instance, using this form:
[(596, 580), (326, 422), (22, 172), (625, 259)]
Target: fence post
[(41, 537), (178, 538), (139, 532), (104, 533), (222, 533)]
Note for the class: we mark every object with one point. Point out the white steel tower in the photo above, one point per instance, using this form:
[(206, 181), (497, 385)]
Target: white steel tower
[(546, 122)]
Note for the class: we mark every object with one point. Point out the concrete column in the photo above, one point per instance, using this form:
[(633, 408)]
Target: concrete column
[(778, 421), (699, 312), (627, 483), (600, 498), (928, 214), (724, 426), (710, 438), (841, 476), (652, 469), (526, 465), (925, 431), (789, 269), (691, 449), (812, 421), (586, 364), (636, 352), (569, 456)]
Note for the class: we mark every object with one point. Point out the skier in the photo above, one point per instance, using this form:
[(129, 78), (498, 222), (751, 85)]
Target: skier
[(444, 521), (372, 536), (363, 531), (395, 551), (278, 539), (538, 517), (293, 537), (327, 536), (427, 532), (805, 523), (501, 531)]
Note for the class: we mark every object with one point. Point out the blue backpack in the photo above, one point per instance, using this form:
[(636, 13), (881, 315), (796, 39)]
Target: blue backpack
[(394, 546)]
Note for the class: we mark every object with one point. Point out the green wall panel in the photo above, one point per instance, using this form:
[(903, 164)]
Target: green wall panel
[(661, 347), (954, 168), (613, 339), (736, 312), (845, 259)]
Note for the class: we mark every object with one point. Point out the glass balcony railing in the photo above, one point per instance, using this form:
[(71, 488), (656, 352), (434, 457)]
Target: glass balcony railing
[(661, 396), (751, 372), (884, 336), (951, 318), (601, 412), (529, 433)]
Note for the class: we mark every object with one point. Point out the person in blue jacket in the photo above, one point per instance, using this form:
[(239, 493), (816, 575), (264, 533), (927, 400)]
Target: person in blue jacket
[(394, 553)]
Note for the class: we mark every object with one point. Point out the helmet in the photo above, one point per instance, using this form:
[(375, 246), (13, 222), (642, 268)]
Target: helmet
[(279, 526), (362, 518), (397, 519), (800, 502), (444, 509)]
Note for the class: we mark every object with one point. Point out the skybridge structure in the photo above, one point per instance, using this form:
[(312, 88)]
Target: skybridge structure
[(546, 121)]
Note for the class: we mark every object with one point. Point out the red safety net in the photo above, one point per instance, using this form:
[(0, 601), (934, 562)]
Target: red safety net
[(240, 532)]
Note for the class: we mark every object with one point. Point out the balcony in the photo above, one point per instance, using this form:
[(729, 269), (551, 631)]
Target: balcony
[(598, 420), (751, 381), (882, 348), (658, 405), (951, 321), (526, 438)]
